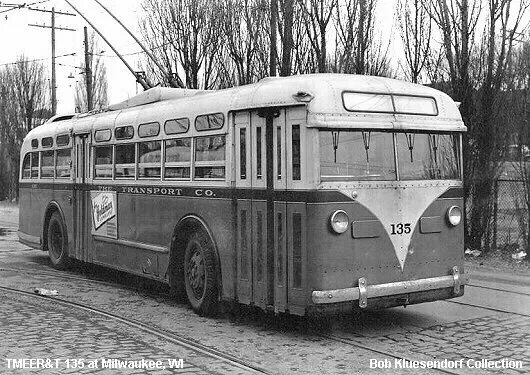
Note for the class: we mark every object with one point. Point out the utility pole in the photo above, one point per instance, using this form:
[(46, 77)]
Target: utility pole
[(53, 28), (88, 74)]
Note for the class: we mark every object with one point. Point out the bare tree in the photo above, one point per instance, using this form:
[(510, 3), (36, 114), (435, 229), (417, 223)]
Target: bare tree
[(415, 26), (317, 15), (477, 76), (246, 40), (186, 36), (23, 102), (96, 67)]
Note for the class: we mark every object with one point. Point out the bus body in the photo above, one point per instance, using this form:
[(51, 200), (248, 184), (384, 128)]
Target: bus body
[(305, 194)]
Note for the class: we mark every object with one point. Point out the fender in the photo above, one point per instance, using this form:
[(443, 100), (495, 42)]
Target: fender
[(198, 222), (52, 205)]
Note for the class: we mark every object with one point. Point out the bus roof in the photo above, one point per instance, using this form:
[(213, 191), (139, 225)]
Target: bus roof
[(333, 101)]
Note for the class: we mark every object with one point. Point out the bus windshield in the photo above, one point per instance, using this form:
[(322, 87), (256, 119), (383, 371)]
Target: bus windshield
[(369, 155)]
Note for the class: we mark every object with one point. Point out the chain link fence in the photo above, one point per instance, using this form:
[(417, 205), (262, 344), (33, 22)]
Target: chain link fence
[(510, 215)]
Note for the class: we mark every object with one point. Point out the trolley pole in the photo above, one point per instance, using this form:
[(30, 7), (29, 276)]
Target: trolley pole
[(88, 74)]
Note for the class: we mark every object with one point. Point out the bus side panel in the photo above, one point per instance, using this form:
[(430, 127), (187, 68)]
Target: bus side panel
[(29, 223), (152, 220)]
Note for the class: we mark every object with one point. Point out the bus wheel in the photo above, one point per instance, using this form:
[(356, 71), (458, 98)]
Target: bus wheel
[(200, 273), (57, 242)]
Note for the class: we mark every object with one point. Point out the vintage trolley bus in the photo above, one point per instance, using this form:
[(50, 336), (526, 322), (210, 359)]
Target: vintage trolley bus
[(305, 194)]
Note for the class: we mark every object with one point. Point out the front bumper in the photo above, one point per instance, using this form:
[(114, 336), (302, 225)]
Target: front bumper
[(364, 291)]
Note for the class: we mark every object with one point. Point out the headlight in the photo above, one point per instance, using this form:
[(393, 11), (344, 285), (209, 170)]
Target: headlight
[(339, 221), (454, 215)]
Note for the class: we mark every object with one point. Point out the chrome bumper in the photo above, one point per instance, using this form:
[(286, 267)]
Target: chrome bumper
[(365, 291)]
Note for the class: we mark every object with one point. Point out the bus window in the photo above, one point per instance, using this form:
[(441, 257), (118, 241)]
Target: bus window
[(356, 155), (149, 156), (210, 156), (26, 166), (177, 159), (102, 135), (150, 129), (296, 153), (124, 132), (34, 165), (62, 168), (428, 156), (47, 142), (125, 157), (209, 122), (177, 126), (34, 143), (62, 140), (47, 168), (103, 162)]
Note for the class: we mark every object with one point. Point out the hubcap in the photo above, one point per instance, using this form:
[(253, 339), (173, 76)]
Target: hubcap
[(195, 272)]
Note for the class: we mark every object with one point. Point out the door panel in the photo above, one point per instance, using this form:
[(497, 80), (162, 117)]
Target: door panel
[(80, 196), (244, 251), (259, 251), (297, 259)]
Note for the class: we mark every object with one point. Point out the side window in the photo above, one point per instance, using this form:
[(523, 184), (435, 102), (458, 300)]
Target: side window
[(47, 142), (124, 132), (125, 160), (63, 140), (210, 157), (102, 135), (103, 162), (209, 122), (63, 163), (178, 158), (47, 164), (296, 157), (177, 126), (149, 157), (26, 166), (150, 129), (34, 165)]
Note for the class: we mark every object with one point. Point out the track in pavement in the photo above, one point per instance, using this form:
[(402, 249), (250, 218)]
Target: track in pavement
[(165, 335)]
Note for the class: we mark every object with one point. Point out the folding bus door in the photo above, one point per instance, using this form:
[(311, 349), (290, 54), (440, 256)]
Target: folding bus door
[(81, 195), (251, 183)]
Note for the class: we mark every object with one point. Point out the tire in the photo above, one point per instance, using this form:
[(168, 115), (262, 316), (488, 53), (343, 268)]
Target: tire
[(58, 242), (200, 275)]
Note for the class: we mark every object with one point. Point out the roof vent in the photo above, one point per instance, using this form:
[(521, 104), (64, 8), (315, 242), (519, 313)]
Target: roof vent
[(304, 97)]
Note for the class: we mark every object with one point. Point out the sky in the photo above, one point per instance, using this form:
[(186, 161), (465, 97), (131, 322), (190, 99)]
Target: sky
[(17, 38)]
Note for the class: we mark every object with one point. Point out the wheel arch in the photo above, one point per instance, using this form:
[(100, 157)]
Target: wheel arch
[(187, 225), (52, 207)]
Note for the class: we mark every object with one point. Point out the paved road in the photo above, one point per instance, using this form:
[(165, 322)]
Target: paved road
[(440, 330)]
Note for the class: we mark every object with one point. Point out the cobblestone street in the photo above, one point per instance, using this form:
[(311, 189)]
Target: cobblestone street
[(40, 328)]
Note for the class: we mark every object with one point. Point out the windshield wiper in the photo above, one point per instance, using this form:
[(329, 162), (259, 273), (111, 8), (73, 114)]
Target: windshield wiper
[(335, 136), (433, 144), (366, 141), (410, 143)]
